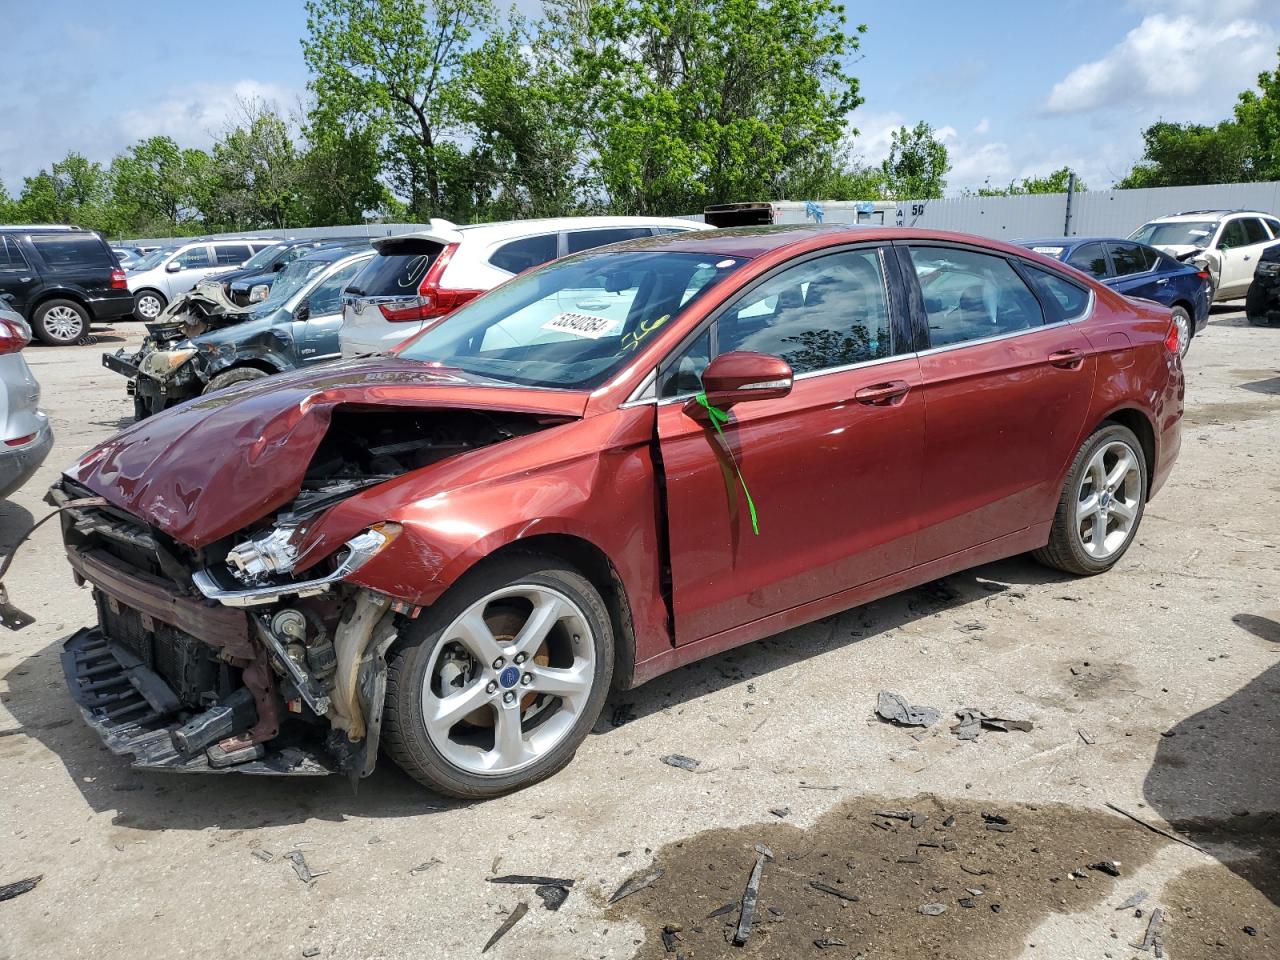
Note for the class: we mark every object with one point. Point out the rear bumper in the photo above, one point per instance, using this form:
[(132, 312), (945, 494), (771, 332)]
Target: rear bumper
[(119, 304), (362, 341), (17, 464)]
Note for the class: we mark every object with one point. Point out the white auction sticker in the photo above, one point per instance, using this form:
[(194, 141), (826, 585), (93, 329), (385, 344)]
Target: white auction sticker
[(581, 325)]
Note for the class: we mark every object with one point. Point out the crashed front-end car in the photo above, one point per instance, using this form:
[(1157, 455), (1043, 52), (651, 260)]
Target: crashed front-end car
[(231, 635)]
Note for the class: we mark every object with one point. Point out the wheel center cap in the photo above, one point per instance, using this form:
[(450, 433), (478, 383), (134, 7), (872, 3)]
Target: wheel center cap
[(1105, 502), (509, 678)]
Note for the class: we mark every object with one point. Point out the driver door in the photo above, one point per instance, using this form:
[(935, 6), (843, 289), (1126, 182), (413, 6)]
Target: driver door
[(833, 469), (323, 308)]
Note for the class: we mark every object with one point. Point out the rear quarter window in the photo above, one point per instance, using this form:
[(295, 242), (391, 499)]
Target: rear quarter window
[(72, 252), (1065, 299), (11, 257), (397, 271), (519, 255)]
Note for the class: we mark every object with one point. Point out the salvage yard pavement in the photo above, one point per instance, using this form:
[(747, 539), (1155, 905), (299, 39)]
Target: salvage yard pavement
[(1154, 688)]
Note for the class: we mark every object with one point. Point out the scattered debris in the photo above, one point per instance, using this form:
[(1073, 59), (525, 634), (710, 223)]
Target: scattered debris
[(893, 814), (749, 895), (998, 823), (822, 943), (814, 786), (974, 891), (521, 909), (623, 714), (1250, 931), (424, 867), (974, 871), (949, 822), (780, 812), (894, 709), (311, 951), (553, 895), (1109, 867), (727, 909), (670, 937), (933, 909), (1154, 829), (995, 908), (1134, 899), (266, 856), (1087, 737), (681, 761), (972, 720), (966, 902), (533, 880), (304, 872), (827, 888), (635, 884), (11, 890), (973, 626), (1153, 931)]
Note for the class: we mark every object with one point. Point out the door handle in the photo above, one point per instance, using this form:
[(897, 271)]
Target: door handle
[(1067, 359), (883, 394), (1162, 281)]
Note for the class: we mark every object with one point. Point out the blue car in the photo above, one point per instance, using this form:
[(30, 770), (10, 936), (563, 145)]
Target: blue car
[(1137, 270)]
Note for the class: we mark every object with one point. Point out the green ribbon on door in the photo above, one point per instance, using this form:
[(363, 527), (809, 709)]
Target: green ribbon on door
[(717, 417)]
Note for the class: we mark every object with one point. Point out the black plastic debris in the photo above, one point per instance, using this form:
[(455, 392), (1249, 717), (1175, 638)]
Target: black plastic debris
[(532, 880), (300, 867), (973, 721), (425, 867), (750, 895), (993, 821), (949, 822), (11, 890), (893, 814), (1133, 900), (623, 714), (681, 761), (1087, 737), (553, 895), (834, 891), (824, 943), (311, 951), (967, 903), (995, 908), (521, 909), (894, 709), (1109, 867), (1249, 931), (723, 911), (933, 909), (974, 871), (1154, 829), (670, 937), (780, 812), (635, 884)]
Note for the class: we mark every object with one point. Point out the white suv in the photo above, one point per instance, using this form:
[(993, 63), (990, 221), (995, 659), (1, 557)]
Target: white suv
[(418, 278), (164, 274), (1227, 242)]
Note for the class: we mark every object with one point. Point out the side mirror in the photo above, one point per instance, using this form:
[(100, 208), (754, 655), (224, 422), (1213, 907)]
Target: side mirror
[(741, 376), (173, 266), (303, 312)]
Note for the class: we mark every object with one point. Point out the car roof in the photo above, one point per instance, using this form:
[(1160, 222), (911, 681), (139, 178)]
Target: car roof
[(42, 228), (1192, 215), (516, 228), (330, 254), (1073, 241)]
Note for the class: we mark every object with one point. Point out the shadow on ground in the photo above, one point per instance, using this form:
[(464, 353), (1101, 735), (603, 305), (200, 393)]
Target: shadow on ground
[(147, 800)]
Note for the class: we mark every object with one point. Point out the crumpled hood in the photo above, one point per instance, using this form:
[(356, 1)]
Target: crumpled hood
[(1177, 250), (210, 467)]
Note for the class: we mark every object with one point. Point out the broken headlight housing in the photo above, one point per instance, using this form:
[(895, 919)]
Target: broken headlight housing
[(162, 364), (267, 554), (258, 292)]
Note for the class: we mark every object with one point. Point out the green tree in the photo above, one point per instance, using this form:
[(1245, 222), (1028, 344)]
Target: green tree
[(393, 62), (1182, 154), (687, 103), (158, 187), (340, 171), (73, 190), (256, 171), (1055, 182), (917, 165), (1258, 114)]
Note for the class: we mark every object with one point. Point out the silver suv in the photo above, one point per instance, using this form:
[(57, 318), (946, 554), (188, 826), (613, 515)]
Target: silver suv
[(164, 274), (1226, 242), (24, 428)]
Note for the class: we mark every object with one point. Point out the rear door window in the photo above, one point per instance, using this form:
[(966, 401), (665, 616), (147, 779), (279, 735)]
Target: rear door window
[(1254, 231), (972, 296), (586, 239), (1274, 224), (1130, 258), (397, 272), (63, 252), (195, 257), (1091, 259), (517, 256), (1233, 235), (230, 254), (11, 257)]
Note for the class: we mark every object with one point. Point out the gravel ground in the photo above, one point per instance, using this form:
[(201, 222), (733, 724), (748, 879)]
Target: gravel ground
[(1155, 687)]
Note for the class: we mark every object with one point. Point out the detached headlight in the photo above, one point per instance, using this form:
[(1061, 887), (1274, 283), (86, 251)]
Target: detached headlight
[(162, 364), (275, 552), (258, 292)]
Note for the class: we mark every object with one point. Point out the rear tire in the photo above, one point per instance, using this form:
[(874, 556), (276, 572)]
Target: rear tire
[(1186, 329), (1102, 488), (230, 378), (465, 754), (148, 304), (60, 323)]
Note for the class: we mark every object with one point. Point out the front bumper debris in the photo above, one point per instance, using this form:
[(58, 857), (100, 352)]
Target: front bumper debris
[(135, 712), (121, 363)]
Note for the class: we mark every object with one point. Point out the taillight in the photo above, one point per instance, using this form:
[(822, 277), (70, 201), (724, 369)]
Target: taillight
[(12, 337), (1171, 339), (118, 280), (1203, 275), (19, 441), (432, 300)]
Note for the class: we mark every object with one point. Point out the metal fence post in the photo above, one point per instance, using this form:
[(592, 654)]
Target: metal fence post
[(1071, 192)]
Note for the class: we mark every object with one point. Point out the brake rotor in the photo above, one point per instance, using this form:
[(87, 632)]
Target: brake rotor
[(505, 625)]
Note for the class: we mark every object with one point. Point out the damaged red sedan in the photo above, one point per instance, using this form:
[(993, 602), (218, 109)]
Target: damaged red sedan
[(622, 462)]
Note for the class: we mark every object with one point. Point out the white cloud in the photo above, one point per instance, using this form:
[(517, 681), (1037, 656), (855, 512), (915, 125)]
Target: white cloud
[(875, 134), (983, 126), (1191, 61), (195, 115)]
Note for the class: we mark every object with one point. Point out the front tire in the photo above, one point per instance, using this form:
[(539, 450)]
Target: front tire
[(498, 683), (60, 323), (229, 378), (1101, 504), (147, 305)]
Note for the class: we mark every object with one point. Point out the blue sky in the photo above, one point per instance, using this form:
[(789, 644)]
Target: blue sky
[(1013, 88)]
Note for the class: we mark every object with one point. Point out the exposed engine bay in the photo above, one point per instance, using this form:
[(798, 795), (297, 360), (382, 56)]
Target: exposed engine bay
[(216, 658)]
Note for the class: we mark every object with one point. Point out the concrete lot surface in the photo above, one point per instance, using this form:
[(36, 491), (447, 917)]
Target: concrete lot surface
[(1155, 687)]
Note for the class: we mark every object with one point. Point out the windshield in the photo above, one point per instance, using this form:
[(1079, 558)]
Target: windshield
[(1185, 233), (574, 322), (288, 282), (264, 257), (152, 259)]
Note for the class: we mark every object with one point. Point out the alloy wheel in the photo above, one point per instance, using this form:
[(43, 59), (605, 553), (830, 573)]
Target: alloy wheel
[(1108, 500), (1183, 323), (63, 323), (509, 679), (149, 306)]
